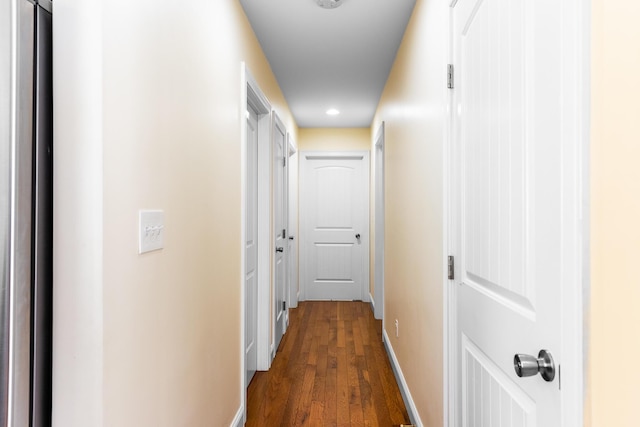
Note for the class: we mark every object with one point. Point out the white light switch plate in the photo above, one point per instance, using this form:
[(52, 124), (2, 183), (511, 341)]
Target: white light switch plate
[(151, 233)]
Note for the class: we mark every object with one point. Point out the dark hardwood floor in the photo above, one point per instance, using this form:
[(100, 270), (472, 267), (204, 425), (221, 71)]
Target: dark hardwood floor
[(331, 370)]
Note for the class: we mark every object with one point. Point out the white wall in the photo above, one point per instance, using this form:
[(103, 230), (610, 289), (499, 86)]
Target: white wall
[(148, 116), (78, 352)]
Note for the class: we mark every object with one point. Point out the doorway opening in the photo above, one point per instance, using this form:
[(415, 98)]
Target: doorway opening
[(378, 286), (255, 130)]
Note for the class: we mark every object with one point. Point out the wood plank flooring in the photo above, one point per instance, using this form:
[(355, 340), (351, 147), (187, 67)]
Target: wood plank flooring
[(331, 370)]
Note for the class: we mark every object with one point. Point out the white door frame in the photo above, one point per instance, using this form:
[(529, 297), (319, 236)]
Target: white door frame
[(573, 330), (276, 123), (365, 232), (287, 246), (378, 289), (292, 197), (251, 94)]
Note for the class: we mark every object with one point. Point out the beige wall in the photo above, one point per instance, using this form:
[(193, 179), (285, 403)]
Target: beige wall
[(615, 215), (413, 109), (334, 139), (148, 116)]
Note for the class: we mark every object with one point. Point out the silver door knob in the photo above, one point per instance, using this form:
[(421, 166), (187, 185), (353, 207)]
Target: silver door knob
[(279, 249), (527, 365)]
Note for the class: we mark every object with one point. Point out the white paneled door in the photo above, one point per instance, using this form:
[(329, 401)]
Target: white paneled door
[(251, 246), (280, 153), (334, 226), (515, 211)]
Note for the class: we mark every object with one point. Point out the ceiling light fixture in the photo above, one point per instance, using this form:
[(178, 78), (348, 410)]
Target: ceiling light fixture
[(329, 4), (332, 112)]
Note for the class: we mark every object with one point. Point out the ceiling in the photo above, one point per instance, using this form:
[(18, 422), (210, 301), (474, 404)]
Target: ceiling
[(330, 58)]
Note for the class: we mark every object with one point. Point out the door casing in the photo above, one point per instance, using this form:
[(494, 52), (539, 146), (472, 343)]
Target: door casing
[(292, 199), (251, 245), (253, 95), (378, 290), (278, 225)]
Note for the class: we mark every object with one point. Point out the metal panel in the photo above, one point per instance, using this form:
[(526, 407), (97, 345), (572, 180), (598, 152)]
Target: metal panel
[(43, 224), (6, 30), (20, 326)]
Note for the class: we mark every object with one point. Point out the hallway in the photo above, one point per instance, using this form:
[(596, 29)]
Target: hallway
[(331, 369), (150, 115)]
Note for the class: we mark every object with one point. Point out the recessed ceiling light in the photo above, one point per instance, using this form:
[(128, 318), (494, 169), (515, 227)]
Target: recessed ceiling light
[(332, 112), (329, 4)]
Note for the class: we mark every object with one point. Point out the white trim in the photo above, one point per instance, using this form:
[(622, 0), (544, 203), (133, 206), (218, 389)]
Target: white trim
[(292, 224), (372, 303), (414, 416), (276, 124), (379, 221), (243, 235), (449, 356), (250, 93), (238, 420), (255, 94), (287, 245), (576, 16), (264, 236), (291, 144), (582, 316)]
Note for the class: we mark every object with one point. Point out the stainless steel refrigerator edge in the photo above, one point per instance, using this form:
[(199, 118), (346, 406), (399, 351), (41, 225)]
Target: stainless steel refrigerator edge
[(26, 199)]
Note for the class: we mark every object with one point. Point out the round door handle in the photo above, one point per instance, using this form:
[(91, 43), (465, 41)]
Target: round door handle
[(279, 249), (526, 365), (358, 236)]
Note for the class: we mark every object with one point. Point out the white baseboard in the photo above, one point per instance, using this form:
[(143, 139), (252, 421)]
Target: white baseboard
[(402, 383), (238, 420)]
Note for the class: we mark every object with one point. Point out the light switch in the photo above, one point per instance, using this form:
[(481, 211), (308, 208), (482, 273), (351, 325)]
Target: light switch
[(151, 233)]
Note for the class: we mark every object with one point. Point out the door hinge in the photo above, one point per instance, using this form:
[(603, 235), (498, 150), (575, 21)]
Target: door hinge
[(284, 162), (284, 233), (450, 76), (450, 268), (284, 305)]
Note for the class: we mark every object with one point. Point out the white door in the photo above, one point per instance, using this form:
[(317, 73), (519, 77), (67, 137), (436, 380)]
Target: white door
[(280, 150), (292, 217), (515, 192), (334, 226), (251, 246), (378, 290)]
